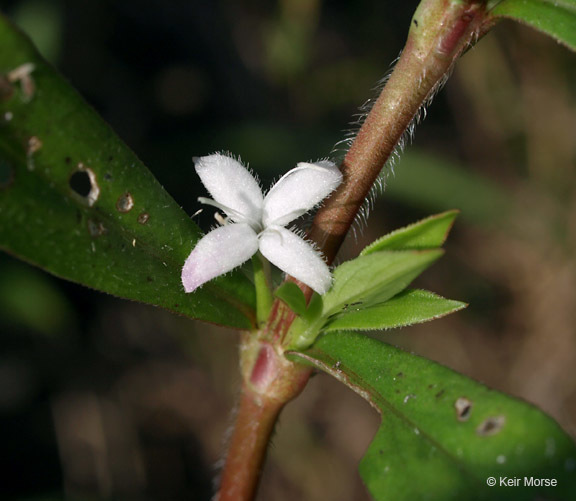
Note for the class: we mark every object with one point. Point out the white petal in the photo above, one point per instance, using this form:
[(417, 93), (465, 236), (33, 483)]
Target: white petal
[(296, 257), (232, 185), (220, 251), (299, 190)]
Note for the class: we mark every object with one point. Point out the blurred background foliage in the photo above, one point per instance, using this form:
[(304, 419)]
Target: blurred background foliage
[(105, 399)]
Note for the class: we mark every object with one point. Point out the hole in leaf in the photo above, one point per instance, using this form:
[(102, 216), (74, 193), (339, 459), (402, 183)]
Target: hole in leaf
[(6, 173), (491, 426), (84, 186), (463, 408), (80, 183), (125, 203)]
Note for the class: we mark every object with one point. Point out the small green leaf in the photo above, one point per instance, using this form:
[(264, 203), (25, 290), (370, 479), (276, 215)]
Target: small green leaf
[(293, 296), (306, 327), (556, 18), (315, 307), (75, 201), (442, 434), (375, 278), (430, 233), (407, 308)]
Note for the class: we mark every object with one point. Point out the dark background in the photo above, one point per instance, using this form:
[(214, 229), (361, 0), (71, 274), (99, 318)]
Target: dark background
[(106, 399)]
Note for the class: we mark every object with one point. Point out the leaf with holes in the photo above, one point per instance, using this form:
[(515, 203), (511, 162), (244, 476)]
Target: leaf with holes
[(556, 18), (76, 201), (443, 435)]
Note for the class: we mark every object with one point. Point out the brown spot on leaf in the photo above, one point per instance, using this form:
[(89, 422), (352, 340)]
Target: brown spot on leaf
[(463, 408), (491, 426), (96, 228), (143, 218), (6, 88), (125, 202), (23, 74), (32, 146)]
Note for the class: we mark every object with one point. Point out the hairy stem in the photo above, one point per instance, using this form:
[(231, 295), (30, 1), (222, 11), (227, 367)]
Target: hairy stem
[(439, 32), (270, 381), (247, 449)]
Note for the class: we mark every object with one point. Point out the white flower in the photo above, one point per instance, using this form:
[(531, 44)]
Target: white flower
[(258, 221)]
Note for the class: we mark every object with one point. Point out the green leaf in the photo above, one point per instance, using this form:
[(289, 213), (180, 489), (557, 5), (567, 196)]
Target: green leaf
[(293, 296), (75, 201), (315, 307), (430, 233), (375, 278), (556, 18), (443, 434), (407, 308)]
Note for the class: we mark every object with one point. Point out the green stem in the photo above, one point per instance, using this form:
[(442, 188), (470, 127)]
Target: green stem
[(261, 268)]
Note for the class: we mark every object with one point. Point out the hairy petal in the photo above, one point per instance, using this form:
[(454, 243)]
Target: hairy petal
[(300, 190), (231, 185), (220, 251), (296, 257)]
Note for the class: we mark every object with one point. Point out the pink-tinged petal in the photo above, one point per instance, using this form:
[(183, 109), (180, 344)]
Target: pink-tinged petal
[(220, 251), (296, 257), (300, 190), (231, 185)]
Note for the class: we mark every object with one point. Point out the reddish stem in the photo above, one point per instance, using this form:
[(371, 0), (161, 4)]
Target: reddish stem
[(439, 32), (247, 450), (270, 382)]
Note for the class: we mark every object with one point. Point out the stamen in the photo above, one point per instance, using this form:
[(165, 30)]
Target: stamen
[(222, 221), (236, 216)]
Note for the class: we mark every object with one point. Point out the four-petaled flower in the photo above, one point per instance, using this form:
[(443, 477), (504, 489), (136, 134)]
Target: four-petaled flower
[(258, 221)]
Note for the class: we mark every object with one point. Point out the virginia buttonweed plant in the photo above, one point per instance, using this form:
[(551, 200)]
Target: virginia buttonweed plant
[(80, 205)]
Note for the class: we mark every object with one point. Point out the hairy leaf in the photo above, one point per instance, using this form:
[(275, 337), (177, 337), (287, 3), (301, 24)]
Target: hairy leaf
[(430, 233), (407, 308), (75, 201), (442, 434), (375, 278), (556, 18)]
